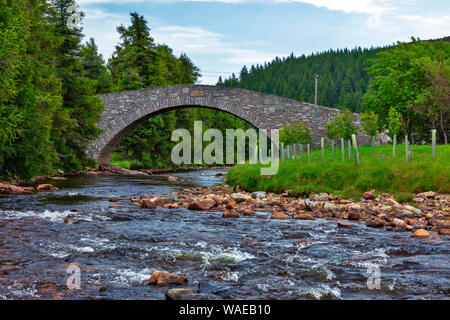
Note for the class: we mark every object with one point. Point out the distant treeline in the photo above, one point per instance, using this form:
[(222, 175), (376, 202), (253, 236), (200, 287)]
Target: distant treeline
[(343, 77)]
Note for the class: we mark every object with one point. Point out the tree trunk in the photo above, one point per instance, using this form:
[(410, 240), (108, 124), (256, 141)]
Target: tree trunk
[(442, 127)]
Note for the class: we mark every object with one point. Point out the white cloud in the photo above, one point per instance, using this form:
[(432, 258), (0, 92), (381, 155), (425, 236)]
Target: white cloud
[(204, 42), (349, 6)]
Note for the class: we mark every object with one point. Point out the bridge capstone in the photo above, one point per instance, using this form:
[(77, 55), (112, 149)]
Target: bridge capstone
[(125, 110)]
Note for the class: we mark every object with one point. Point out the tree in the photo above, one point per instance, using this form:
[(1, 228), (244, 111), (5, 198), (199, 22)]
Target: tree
[(411, 78), (435, 104), (138, 62), (370, 126), (295, 132), (76, 125), (344, 125), (94, 67), (394, 122), (332, 132)]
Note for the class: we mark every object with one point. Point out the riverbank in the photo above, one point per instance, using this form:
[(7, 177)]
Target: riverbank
[(381, 172), (16, 186), (430, 219)]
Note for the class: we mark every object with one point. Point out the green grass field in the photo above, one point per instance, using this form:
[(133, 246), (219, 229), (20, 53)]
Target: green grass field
[(344, 178)]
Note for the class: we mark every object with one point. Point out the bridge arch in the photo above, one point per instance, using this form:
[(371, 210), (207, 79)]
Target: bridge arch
[(125, 110)]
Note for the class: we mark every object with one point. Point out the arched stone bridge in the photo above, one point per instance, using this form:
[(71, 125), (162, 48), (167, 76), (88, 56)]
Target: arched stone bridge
[(125, 110)]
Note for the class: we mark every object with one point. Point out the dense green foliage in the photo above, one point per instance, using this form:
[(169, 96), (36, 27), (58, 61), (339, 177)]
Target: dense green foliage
[(296, 132), (414, 79), (48, 106), (348, 180), (343, 77)]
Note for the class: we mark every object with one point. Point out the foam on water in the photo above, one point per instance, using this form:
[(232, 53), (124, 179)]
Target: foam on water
[(130, 278)]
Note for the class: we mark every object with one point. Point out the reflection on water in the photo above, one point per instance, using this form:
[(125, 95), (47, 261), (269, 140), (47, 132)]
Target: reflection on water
[(117, 249)]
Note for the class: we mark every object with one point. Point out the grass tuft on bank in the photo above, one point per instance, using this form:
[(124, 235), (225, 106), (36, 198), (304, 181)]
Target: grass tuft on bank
[(393, 175)]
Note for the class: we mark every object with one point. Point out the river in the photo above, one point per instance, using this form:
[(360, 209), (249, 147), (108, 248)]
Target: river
[(252, 257)]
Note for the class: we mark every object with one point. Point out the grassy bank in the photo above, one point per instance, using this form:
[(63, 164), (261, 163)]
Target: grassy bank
[(393, 175)]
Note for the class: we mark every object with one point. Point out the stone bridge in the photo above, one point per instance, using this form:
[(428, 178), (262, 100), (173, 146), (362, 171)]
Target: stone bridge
[(125, 110)]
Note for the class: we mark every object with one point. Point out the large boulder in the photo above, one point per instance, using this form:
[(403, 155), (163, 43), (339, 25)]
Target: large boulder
[(279, 215), (166, 278), (46, 187), (179, 294), (148, 203), (420, 233), (240, 197), (205, 204)]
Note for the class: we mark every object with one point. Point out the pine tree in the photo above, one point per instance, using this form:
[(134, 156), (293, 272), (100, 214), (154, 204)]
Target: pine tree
[(76, 126), (94, 67)]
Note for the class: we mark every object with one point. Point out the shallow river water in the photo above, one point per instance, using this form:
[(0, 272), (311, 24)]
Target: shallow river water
[(117, 249)]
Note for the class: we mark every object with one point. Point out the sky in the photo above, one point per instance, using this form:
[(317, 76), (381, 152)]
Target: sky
[(221, 36)]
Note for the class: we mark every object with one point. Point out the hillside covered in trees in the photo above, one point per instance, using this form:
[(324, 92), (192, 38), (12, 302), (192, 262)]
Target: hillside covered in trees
[(343, 77)]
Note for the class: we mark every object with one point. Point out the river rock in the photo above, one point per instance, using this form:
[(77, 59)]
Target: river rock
[(354, 215), (230, 214), (429, 194), (178, 294), (259, 195), (247, 212), (11, 189), (173, 196), (165, 278), (240, 197), (329, 206), (309, 204), (412, 209), (444, 231), (321, 197), (369, 195), (420, 233), (304, 216), (121, 218), (172, 178), (377, 223), (274, 203), (205, 204), (46, 187), (148, 203), (343, 225), (403, 213), (279, 215), (114, 199)]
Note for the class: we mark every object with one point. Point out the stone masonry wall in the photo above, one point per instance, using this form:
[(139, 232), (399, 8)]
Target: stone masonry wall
[(125, 110)]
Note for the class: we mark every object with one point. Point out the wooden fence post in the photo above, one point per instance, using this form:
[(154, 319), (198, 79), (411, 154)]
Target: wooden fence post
[(309, 152), (322, 148), (433, 143), (343, 149), (406, 148), (332, 148), (349, 150), (355, 146), (373, 145), (394, 146)]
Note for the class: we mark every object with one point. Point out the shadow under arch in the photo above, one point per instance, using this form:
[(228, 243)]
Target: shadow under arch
[(105, 154)]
